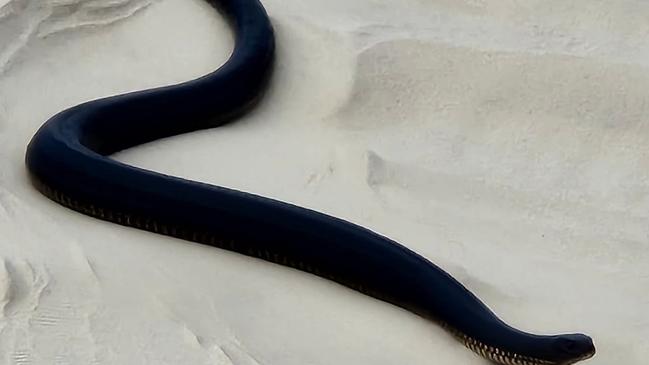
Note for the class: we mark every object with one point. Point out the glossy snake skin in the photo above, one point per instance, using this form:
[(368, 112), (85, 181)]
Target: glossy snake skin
[(68, 162)]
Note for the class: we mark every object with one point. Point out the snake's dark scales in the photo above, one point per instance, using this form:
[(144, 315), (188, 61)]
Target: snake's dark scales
[(68, 162)]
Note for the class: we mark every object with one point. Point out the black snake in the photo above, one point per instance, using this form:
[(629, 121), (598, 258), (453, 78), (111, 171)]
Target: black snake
[(68, 162)]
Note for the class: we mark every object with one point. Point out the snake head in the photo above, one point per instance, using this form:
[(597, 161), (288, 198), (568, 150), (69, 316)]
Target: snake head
[(573, 348)]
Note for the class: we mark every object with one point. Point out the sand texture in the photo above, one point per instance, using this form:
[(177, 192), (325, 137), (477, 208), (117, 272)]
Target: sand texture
[(506, 141)]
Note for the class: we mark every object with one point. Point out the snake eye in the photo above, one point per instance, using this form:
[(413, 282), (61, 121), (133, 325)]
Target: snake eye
[(569, 345)]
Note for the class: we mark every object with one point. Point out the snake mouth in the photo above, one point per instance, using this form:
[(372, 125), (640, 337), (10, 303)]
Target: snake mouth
[(586, 356), (574, 360)]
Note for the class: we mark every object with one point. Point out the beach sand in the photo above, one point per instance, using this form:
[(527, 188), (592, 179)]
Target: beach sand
[(505, 141)]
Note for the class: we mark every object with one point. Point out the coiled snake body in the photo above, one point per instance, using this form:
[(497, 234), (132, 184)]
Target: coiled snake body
[(67, 161)]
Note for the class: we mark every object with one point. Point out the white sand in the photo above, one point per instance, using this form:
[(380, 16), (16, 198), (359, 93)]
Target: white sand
[(504, 140)]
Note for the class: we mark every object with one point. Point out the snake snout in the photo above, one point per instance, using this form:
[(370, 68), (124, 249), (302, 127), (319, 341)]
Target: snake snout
[(576, 347)]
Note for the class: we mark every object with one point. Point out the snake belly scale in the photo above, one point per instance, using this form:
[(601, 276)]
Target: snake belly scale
[(68, 161)]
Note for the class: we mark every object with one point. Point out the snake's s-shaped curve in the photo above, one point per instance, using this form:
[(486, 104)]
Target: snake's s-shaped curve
[(67, 161)]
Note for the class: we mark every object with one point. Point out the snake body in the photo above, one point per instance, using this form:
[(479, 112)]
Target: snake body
[(68, 162)]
